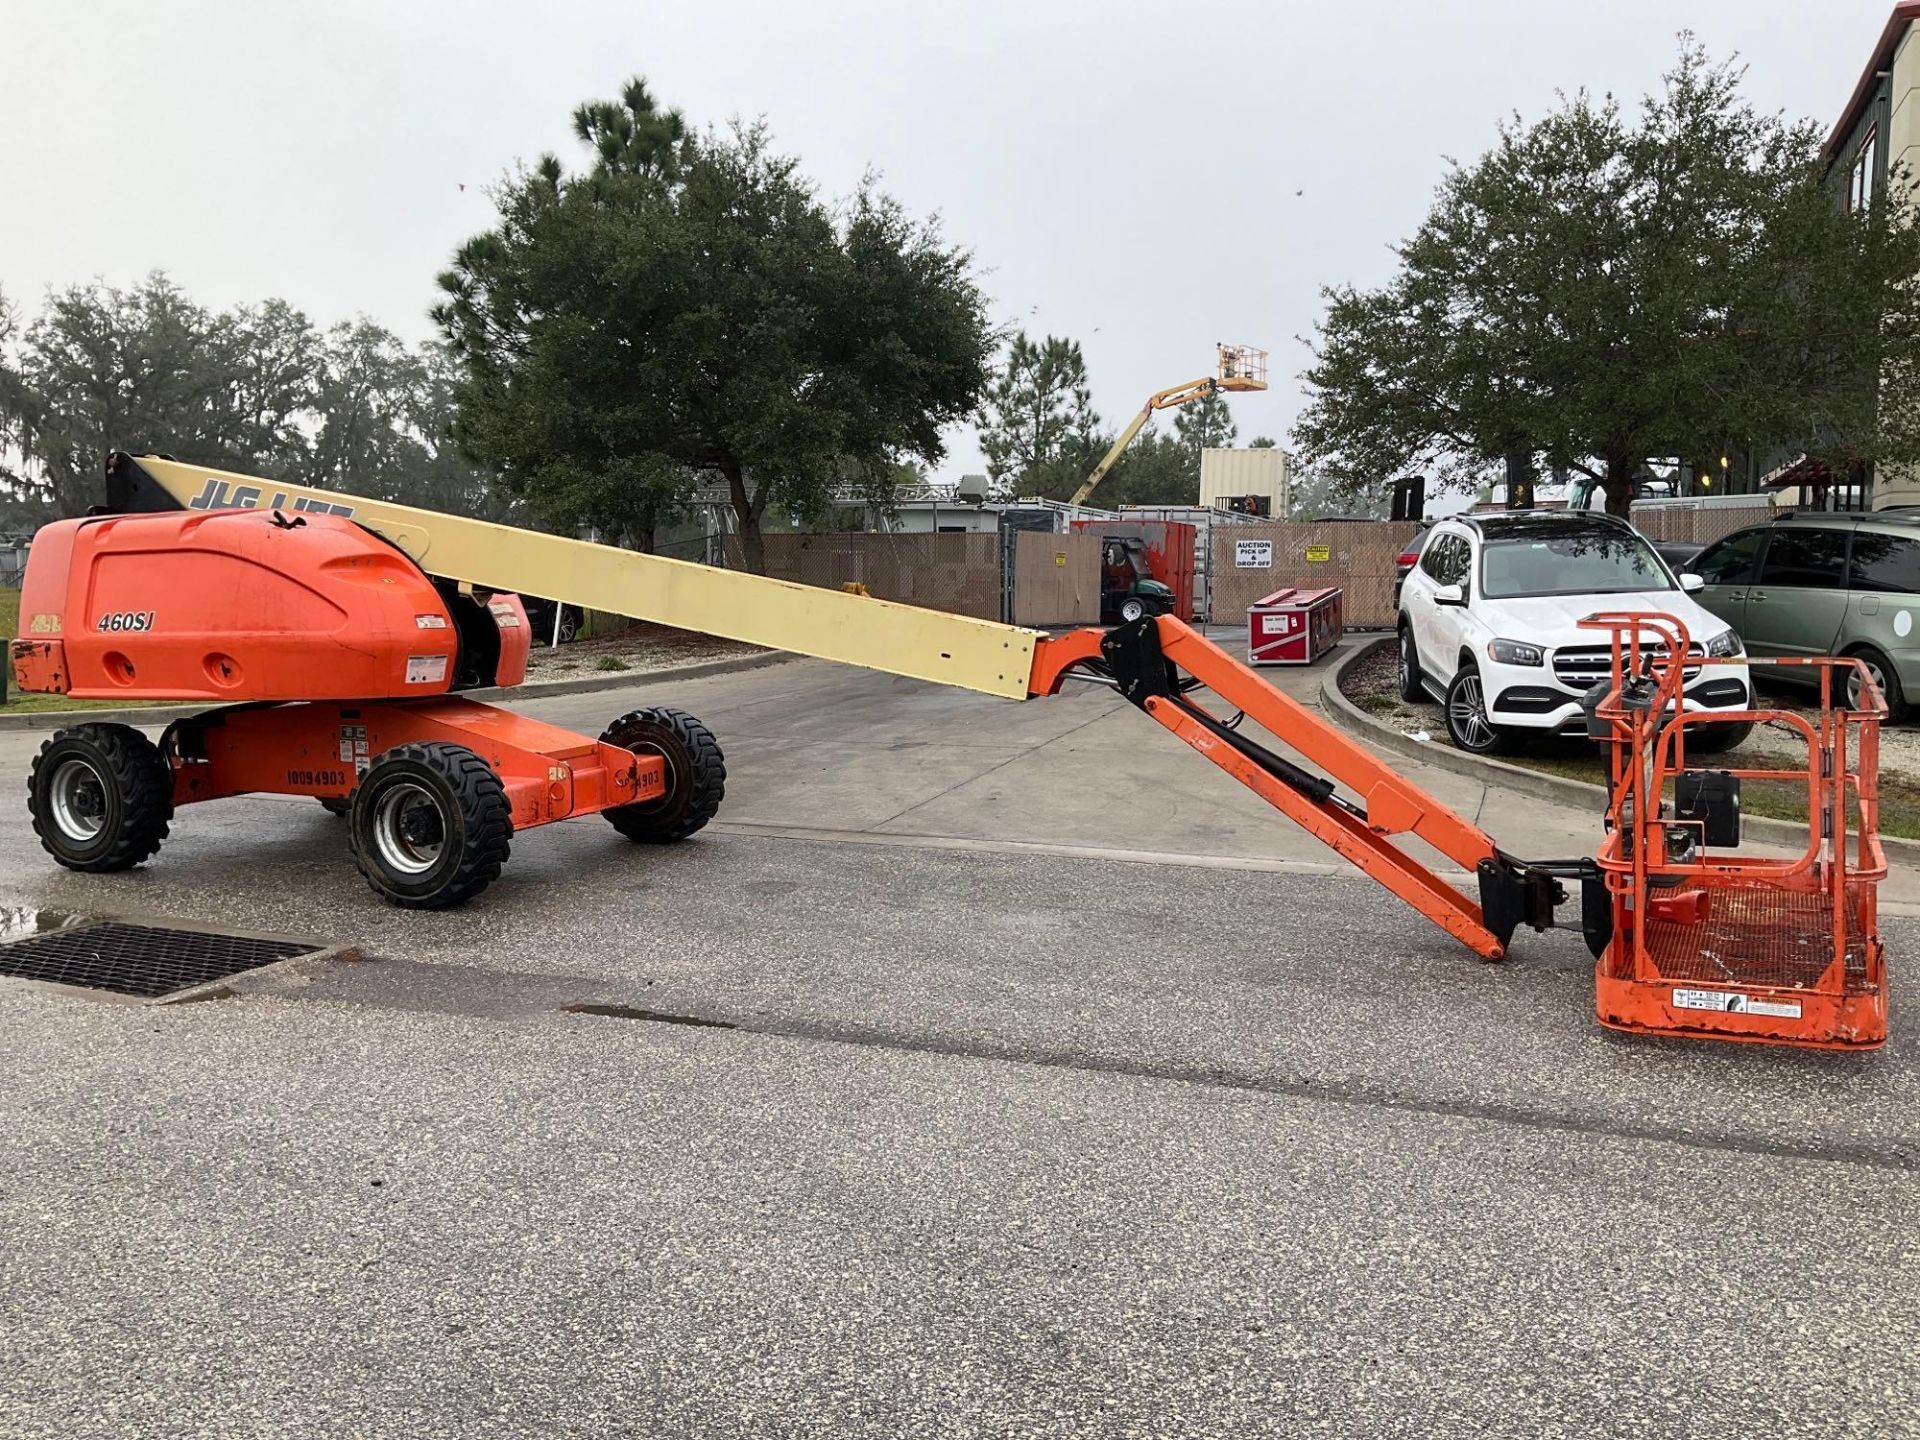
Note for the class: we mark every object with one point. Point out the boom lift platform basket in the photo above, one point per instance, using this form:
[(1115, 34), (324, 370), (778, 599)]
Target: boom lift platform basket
[(1785, 950)]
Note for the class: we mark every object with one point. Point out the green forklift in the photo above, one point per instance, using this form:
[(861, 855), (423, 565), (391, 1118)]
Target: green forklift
[(1128, 592)]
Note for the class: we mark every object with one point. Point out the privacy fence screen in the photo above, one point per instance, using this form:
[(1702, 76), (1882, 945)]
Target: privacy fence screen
[(1054, 579), (1250, 561)]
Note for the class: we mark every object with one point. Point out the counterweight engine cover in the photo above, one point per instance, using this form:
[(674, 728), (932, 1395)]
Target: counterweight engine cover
[(230, 605)]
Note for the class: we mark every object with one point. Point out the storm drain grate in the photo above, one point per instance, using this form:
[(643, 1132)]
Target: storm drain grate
[(143, 960)]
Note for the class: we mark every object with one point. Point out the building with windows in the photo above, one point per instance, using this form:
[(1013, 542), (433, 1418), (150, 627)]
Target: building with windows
[(1878, 130), (1880, 126)]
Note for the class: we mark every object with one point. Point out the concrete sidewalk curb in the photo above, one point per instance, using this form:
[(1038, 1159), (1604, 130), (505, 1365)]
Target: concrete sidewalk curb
[(1577, 794), (586, 685)]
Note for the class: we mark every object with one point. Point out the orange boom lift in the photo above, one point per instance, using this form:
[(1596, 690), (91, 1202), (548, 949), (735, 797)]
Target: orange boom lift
[(328, 633)]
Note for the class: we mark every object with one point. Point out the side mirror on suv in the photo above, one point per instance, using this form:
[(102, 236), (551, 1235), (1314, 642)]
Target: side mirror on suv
[(1450, 595)]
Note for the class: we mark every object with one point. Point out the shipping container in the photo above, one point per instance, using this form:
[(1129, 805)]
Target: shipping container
[(1231, 474)]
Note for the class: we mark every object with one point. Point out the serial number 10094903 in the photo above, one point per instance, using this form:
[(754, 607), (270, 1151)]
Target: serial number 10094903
[(316, 777)]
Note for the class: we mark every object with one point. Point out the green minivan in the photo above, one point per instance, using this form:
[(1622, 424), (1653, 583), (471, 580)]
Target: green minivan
[(1825, 584)]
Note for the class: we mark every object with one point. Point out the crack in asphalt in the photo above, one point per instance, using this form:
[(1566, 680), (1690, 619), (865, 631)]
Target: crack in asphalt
[(422, 987), (1374, 1097)]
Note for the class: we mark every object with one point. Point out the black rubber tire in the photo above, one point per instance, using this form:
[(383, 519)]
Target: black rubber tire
[(474, 818), (1131, 609), (1718, 739), (1408, 684), (696, 774), (334, 805), (1485, 739), (1890, 689), (131, 784)]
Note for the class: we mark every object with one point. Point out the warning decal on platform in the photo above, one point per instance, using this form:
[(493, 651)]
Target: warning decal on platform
[(1734, 1003)]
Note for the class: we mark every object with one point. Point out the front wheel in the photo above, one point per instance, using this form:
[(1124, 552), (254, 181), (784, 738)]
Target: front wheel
[(1132, 608), (101, 797), (696, 774), (1467, 723), (430, 825)]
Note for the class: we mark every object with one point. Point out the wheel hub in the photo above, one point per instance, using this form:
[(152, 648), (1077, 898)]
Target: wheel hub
[(409, 829), (1470, 714), (673, 786), (1853, 684), (78, 798)]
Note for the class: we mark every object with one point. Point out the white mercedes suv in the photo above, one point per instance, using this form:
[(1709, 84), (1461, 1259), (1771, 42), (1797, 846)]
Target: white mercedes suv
[(1490, 625)]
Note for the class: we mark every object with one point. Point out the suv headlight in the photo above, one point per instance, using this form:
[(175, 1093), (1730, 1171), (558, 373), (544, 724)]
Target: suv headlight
[(1727, 642), (1515, 652)]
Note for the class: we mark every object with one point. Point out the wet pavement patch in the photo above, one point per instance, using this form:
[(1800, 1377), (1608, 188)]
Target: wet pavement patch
[(148, 962)]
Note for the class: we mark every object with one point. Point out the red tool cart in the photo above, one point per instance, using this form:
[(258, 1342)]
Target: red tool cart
[(1294, 627)]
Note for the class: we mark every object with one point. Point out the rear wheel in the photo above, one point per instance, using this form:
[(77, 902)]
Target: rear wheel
[(1882, 671), (101, 797), (1467, 723), (1411, 688), (696, 774), (430, 825)]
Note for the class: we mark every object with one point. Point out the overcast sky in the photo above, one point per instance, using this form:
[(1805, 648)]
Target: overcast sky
[(1144, 179)]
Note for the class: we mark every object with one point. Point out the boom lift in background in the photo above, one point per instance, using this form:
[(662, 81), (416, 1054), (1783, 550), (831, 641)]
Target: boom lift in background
[(1241, 367), (330, 632)]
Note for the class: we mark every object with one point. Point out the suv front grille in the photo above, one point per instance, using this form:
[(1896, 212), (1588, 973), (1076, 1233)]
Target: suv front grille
[(1581, 667)]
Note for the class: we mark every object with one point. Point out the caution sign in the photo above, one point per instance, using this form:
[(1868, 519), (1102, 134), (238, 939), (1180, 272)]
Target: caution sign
[(1253, 554), (1060, 558), (1318, 553)]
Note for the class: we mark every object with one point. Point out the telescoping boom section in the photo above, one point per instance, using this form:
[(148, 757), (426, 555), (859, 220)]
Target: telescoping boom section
[(800, 619), (1159, 664)]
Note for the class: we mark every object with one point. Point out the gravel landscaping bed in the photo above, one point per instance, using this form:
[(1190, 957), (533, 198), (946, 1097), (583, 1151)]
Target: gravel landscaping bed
[(638, 648)]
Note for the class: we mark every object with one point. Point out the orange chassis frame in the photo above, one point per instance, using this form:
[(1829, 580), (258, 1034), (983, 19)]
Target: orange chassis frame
[(322, 749)]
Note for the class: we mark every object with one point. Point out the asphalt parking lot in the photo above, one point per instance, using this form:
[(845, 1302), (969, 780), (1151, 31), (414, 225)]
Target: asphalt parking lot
[(1043, 1083)]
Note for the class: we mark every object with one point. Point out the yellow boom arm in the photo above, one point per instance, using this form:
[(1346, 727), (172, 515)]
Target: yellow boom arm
[(803, 619), (1159, 400), (1242, 367)]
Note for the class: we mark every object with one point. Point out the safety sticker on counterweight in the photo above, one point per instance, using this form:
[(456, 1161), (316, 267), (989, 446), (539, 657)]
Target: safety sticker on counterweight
[(354, 750), (1734, 1003), (426, 669)]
